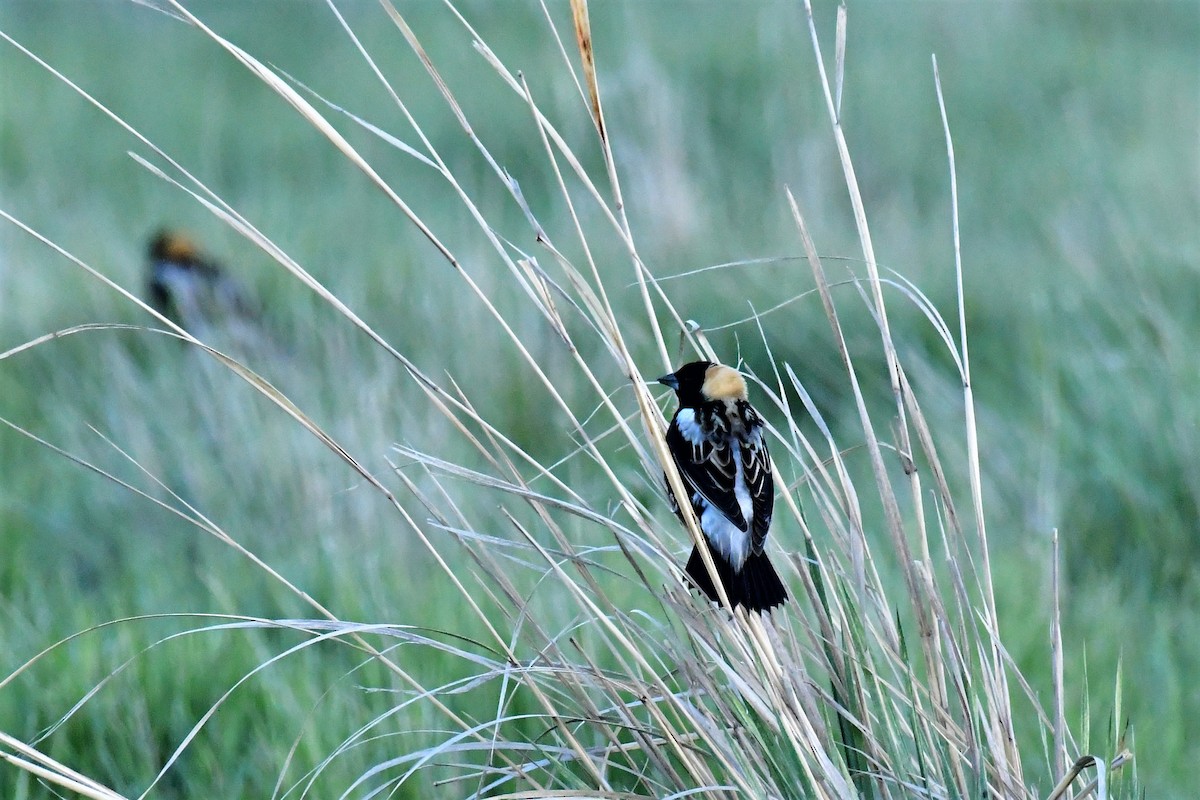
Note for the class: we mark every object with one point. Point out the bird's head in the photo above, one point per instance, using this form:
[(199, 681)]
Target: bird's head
[(705, 382), (173, 246)]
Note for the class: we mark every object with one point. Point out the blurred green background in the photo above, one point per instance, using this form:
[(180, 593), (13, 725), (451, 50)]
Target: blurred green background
[(1075, 126)]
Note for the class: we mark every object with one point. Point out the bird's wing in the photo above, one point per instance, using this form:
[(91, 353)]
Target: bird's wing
[(709, 468), (756, 465)]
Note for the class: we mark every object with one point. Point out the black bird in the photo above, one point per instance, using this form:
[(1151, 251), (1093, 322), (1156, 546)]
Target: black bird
[(716, 439), (190, 289)]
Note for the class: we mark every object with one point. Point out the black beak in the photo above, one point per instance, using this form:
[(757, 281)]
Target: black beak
[(670, 380)]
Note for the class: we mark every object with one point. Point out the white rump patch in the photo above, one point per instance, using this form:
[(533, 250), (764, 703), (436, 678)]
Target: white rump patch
[(726, 538)]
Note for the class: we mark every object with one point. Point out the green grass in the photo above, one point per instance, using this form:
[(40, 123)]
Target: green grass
[(1074, 128)]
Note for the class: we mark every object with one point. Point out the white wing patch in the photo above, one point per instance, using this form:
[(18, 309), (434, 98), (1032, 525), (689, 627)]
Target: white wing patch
[(689, 427)]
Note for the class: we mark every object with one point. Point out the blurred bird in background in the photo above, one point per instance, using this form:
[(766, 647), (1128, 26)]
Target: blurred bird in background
[(191, 290)]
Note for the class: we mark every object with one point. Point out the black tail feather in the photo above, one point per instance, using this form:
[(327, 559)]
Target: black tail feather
[(757, 586), (698, 575)]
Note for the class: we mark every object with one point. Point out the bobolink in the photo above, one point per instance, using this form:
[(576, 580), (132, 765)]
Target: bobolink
[(716, 439), (191, 290)]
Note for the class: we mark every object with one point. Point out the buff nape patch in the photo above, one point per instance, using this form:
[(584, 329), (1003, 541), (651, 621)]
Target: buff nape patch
[(723, 383), (178, 248)]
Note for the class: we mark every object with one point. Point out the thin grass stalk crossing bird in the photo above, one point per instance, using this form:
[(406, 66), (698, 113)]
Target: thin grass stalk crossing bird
[(716, 439)]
